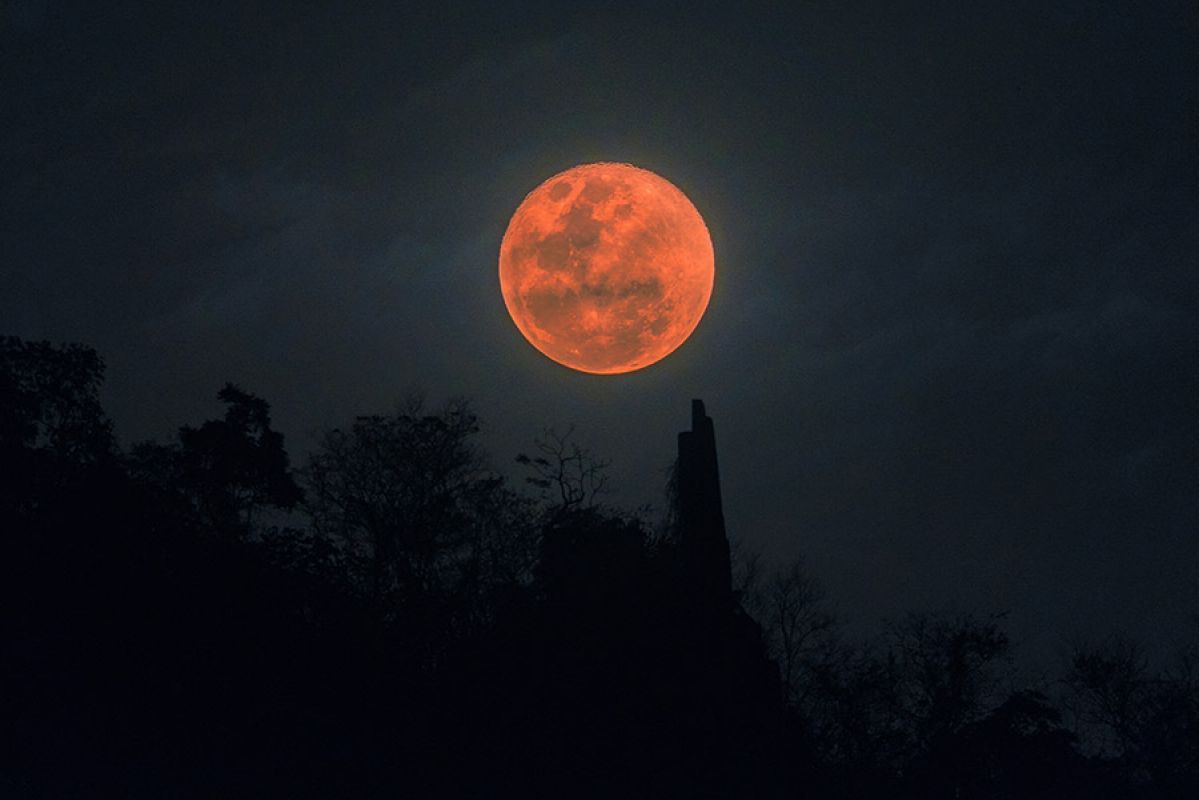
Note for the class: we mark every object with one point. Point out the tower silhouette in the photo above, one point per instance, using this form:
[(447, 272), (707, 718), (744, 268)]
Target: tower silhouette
[(703, 543)]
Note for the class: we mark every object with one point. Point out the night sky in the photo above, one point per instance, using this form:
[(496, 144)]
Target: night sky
[(953, 349)]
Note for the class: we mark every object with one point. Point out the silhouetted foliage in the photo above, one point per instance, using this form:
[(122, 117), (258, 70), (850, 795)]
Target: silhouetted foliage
[(426, 530), (1142, 723), (237, 464), (223, 473), (50, 399), (800, 631), (53, 431), (567, 474), (193, 619)]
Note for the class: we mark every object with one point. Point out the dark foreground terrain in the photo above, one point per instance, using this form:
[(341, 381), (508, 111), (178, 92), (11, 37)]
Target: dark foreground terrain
[(396, 618)]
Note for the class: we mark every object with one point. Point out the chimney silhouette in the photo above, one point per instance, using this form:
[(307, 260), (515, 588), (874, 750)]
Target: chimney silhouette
[(703, 544)]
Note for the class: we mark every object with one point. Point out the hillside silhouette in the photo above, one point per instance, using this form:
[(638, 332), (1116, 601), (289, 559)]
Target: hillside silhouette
[(395, 616)]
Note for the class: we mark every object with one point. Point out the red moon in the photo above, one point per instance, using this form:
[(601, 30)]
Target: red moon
[(606, 268)]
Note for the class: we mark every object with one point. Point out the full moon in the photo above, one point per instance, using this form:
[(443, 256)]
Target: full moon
[(606, 268)]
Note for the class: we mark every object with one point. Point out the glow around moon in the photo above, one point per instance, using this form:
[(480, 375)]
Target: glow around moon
[(606, 268)]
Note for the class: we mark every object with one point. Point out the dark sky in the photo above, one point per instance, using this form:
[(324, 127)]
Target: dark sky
[(953, 349)]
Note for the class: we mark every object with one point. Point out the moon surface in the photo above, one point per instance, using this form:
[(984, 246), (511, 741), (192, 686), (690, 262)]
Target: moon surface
[(606, 268)]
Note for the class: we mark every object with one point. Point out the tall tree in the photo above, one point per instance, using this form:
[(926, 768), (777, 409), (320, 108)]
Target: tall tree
[(49, 400), (425, 524), (226, 471), (53, 430), (798, 628)]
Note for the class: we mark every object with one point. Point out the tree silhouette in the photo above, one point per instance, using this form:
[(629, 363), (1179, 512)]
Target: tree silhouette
[(1109, 684), (949, 672), (798, 628), (1143, 723), (53, 431), (224, 471), (50, 397), (427, 530), (237, 464), (567, 474)]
